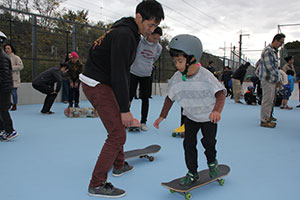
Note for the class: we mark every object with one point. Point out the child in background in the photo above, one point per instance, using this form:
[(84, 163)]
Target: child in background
[(250, 97), (202, 98), (287, 90)]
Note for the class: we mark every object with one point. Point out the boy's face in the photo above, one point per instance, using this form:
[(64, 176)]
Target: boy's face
[(146, 27), (180, 62)]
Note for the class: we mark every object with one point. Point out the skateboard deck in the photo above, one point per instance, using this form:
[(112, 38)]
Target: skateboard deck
[(80, 112), (204, 180), (136, 127), (143, 153)]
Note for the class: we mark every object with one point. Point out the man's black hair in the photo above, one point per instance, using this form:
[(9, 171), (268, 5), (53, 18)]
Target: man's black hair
[(210, 62), (278, 37), (150, 9), (288, 58), (158, 31), (290, 72)]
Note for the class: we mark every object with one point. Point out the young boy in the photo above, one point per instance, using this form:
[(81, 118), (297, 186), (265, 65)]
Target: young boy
[(287, 90), (250, 97), (202, 98)]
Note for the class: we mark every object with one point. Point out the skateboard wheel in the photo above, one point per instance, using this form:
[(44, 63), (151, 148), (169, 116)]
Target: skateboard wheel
[(174, 134), (151, 158), (221, 182), (172, 191), (188, 196)]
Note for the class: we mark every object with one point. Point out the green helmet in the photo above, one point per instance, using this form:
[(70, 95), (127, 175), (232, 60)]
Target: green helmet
[(189, 44)]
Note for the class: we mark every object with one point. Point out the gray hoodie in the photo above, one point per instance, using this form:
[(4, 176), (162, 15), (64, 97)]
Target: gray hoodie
[(147, 53)]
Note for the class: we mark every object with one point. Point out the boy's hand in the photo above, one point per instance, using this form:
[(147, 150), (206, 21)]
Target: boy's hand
[(157, 122), (215, 117), (127, 119)]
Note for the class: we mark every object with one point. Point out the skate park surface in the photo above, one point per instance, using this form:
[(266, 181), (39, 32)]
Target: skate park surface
[(53, 157)]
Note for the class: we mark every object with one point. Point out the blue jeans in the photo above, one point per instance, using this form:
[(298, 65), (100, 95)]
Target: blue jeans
[(15, 95)]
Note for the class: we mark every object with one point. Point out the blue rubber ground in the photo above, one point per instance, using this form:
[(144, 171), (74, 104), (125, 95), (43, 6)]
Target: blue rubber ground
[(53, 157)]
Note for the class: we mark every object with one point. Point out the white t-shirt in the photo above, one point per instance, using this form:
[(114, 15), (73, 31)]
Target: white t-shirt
[(196, 95)]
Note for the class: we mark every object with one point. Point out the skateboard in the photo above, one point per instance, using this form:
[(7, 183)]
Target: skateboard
[(136, 127), (143, 153), (205, 179), (179, 132), (80, 112)]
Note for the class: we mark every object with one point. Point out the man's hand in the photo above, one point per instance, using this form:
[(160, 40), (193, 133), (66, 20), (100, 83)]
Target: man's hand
[(127, 119), (72, 85), (76, 85), (157, 122), (215, 117)]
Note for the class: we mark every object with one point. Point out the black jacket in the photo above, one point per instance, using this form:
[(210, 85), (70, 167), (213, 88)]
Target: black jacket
[(240, 73), (111, 56), (6, 82), (49, 77), (226, 77)]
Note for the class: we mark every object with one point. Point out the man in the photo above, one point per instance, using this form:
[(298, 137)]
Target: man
[(147, 53), (44, 83), (7, 131), (269, 76), (237, 81), (105, 82)]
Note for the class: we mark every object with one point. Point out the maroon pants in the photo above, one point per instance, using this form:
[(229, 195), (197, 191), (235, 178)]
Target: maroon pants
[(103, 100)]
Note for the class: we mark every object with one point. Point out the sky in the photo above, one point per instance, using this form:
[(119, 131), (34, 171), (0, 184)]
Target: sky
[(218, 23)]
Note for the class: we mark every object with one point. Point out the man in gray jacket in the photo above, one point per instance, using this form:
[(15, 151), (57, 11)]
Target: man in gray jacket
[(147, 53)]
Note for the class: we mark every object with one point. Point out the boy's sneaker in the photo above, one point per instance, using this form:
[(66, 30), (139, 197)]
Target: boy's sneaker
[(125, 169), (144, 127), (298, 106), (11, 135), (213, 169), (268, 124), (189, 179), (106, 190), (8, 136)]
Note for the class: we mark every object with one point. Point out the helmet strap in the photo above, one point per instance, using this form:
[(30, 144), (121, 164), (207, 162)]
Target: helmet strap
[(187, 65)]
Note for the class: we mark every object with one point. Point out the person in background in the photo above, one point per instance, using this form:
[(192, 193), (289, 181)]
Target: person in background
[(75, 68), (7, 131), (17, 66), (45, 82), (269, 77), (250, 97), (298, 80), (237, 81), (288, 90), (147, 53), (289, 65), (226, 77), (65, 83)]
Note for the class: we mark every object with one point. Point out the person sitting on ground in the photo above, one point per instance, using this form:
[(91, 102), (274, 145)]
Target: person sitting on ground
[(250, 97), (44, 83)]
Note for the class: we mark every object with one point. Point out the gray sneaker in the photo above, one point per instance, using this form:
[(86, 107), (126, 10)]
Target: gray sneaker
[(125, 169), (106, 190)]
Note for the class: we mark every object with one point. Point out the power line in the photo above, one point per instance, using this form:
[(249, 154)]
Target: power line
[(196, 8)]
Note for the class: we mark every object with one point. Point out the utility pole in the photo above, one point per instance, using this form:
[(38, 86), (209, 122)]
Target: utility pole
[(240, 47)]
